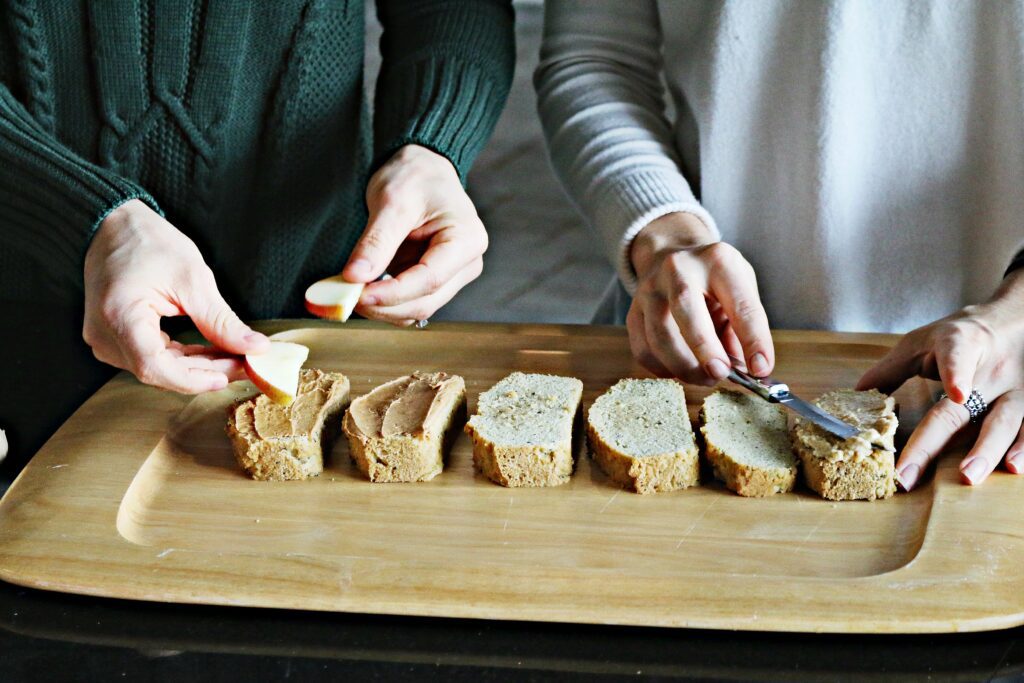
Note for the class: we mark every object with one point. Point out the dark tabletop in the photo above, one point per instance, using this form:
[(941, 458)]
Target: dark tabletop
[(46, 372)]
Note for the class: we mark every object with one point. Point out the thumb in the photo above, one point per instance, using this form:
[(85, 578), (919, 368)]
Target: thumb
[(219, 324), (386, 229)]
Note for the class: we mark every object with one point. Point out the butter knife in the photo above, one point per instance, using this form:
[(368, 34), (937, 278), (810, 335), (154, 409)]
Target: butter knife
[(778, 392)]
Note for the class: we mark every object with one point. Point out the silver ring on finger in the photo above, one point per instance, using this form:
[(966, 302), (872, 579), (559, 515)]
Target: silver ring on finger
[(420, 324), (975, 404)]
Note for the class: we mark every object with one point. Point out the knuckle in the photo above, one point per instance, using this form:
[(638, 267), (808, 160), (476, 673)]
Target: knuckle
[(948, 415), (422, 312), (680, 288), (391, 193), (431, 280), (699, 344), (221, 318), (678, 261), (1002, 420), (746, 310), (89, 335), (645, 287), (484, 238), (637, 347), (372, 240), (721, 255), (145, 369), (110, 309), (914, 455)]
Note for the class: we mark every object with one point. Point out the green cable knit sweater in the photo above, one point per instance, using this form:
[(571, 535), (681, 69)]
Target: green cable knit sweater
[(244, 122)]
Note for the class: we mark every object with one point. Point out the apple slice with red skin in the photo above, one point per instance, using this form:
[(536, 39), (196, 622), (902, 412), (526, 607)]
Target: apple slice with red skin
[(333, 298), (276, 372)]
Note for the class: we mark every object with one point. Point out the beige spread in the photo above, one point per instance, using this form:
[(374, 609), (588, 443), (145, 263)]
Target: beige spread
[(410, 406), (279, 443), (304, 417), (869, 411)]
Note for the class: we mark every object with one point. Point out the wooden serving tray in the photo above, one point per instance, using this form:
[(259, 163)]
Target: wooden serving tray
[(138, 496)]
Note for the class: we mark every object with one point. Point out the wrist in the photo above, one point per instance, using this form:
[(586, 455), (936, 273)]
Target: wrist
[(1008, 301), (676, 231), (125, 214), (418, 156)]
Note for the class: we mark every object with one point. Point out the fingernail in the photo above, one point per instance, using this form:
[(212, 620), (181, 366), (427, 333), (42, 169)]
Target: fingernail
[(362, 267), (974, 471), (908, 476), (759, 364), (717, 369), (1015, 463)]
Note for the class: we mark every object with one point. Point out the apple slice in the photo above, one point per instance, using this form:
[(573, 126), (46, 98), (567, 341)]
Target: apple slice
[(276, 372), (333, 298)]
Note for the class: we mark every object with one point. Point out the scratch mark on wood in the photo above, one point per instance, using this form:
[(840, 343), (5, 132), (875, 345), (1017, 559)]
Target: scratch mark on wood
[(609, 502), (507, 514), (693, 526)]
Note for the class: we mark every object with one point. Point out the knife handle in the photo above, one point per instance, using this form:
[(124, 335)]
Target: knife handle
[(767, 389)]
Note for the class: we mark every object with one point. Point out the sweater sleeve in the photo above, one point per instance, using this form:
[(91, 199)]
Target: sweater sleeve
[(446, 68), (51, 200), (600, 98)]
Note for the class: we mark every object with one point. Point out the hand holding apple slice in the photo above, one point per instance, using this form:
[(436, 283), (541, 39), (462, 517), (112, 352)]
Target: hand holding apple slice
[(333, 298), (276, 372)]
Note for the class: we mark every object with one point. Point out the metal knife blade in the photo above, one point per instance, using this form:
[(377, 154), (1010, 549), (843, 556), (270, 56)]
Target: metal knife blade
[(818, 416), (778, 392)]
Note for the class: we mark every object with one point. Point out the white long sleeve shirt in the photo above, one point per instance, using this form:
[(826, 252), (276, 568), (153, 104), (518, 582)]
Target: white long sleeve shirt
[(867, 157)]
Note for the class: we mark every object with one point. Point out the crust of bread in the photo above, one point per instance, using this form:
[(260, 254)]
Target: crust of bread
[(405, 457), (286, 458), (853, 469), (516, 466), (752, 482), (520, 465), (847, 479), (742, 478), (669, 465), (649, 474)]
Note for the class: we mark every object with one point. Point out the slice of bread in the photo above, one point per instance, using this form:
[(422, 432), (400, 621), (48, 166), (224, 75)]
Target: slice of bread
[(850, 469), (640, 435), (276, 443), (402, 430), (523, 430), (746, 440)]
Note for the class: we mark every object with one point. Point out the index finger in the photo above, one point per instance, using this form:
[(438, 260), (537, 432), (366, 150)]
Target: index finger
[(895, 368), (736, 291), (448, 254)]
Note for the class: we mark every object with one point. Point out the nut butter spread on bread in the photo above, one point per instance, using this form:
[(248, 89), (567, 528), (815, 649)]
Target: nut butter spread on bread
[(273, 442), (747, 442), (402, 430), (639, 433), (523, 430), (853, 468)]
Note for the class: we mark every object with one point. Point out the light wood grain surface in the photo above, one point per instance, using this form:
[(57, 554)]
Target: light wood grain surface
[(137, 496)]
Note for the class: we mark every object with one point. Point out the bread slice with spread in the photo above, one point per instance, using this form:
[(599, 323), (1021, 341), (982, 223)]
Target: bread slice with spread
[(855, 468)]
